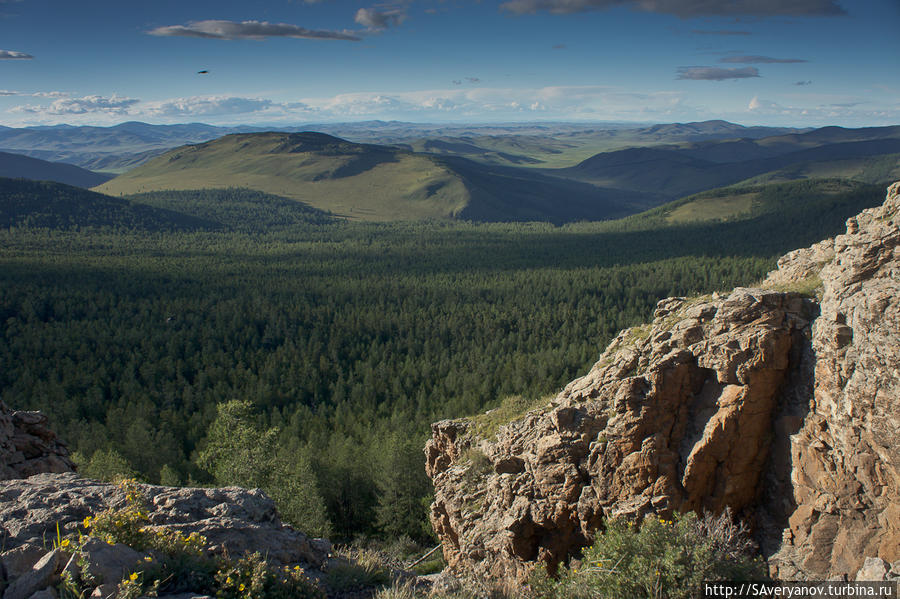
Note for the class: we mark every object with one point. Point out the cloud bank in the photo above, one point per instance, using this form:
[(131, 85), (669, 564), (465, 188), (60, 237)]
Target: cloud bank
[(461, 104), (685, 8), (114, 105), (760, 60), (252, 30), (206, 106), (716, 73)]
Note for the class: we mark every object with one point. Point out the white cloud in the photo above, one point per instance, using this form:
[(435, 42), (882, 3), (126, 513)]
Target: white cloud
[(569, 102), (7, 92), (13, 55), (461, 104), (254, 30), (377, 19), (206, 105), (814, 109), (115, 105)]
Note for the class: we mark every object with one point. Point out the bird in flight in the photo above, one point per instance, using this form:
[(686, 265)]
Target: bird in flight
[(203, 72)]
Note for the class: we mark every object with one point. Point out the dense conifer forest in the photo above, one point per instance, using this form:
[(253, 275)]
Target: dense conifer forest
[(282, 348)]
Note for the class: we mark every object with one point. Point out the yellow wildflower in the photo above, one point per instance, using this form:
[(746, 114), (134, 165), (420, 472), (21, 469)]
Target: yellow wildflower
[(133, 576), (64, 543), (241, 587), (87, 521)]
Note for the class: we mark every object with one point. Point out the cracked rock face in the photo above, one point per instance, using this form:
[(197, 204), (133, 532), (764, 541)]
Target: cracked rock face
[(782, 408), (653, 427), (846, 456)]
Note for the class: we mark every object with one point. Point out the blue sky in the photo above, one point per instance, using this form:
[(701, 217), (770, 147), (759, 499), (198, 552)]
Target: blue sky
[(772, 62)]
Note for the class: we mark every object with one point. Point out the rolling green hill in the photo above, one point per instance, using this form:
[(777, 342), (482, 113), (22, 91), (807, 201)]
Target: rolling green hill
[(45, 204), (375, 183), (358, 181)]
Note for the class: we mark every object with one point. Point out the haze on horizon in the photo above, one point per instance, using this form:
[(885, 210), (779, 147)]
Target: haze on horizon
[(801, 63)]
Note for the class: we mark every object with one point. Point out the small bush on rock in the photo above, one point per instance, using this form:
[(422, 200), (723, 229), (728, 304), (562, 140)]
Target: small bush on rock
[(175, 562), (659, 559), (252, 578)]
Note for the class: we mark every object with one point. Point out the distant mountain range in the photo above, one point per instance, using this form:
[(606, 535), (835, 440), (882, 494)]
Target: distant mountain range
[(539, 172), (111, 149), (391, 182), (121, 147)]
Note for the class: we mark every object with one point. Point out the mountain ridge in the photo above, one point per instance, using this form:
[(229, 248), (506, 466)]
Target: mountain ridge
[(375, 182)]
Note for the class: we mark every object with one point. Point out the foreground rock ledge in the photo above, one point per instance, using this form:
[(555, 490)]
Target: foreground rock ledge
[(233, 520), (785, 409)]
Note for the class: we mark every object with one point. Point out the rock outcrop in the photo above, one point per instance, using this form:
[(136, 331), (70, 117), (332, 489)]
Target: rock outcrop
[(781, 407), (233, 520), (28, 446), (845, 480)]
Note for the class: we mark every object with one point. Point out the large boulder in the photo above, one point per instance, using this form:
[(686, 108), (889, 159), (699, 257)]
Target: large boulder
[(780, 407)]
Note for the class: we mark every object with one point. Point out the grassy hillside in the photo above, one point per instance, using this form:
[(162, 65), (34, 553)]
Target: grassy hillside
[(820, 204), (375, 183), (877, 170), (16, 165), (44, 204), (353, 180)]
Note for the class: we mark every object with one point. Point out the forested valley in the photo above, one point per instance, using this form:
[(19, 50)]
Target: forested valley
[(308, 355)]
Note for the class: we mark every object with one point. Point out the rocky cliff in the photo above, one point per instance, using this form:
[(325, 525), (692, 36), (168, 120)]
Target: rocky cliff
[(779, 402)]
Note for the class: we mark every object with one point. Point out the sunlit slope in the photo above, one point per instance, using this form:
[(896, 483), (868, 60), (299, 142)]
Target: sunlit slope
[(801, 202), (359, 181), (375, 182)]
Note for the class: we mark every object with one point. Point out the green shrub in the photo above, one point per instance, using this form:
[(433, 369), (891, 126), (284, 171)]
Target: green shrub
[(104, 464), (360, 569), (659, 559), (175, 562), (252, 578)]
